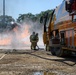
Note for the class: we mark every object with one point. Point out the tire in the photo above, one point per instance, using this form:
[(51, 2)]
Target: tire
[(52, 49), (59, 52)]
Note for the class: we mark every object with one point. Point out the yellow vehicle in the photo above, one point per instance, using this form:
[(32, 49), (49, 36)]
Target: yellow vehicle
[(60, 36)]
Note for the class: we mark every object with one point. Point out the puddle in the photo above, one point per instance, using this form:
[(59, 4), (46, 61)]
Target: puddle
[(44, 73), (38, 73)]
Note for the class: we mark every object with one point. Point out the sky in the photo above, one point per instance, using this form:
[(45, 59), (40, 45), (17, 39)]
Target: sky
[(16, 7)]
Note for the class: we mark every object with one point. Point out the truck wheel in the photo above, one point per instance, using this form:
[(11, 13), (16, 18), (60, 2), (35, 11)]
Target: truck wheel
[(59, 52), (52, 50)]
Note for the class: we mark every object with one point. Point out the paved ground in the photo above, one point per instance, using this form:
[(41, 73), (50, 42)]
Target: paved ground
[(27, 62)]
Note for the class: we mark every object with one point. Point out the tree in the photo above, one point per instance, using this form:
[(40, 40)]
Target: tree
[(29, 16), (6, 23)]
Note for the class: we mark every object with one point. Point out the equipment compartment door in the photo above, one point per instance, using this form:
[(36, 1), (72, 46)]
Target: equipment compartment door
[(62, 33), (70, 38)]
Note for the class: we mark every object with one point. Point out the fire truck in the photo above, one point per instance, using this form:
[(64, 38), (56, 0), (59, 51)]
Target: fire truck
[(59, 34)]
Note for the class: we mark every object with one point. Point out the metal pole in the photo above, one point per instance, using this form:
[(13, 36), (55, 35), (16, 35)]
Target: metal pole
[(4, 11)]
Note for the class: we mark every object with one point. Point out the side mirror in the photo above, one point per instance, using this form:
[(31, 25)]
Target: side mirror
[(44, 18), (41, 19), (68, 7)]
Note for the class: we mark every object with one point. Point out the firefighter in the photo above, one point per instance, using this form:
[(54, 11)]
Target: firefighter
[(33, 41), (37, 39)]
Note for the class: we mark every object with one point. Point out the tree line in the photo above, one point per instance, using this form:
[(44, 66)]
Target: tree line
[(30, 16), (22, 18)]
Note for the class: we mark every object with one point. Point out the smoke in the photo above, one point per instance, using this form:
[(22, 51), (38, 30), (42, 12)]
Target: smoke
[(37, 28), (18, 38)]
